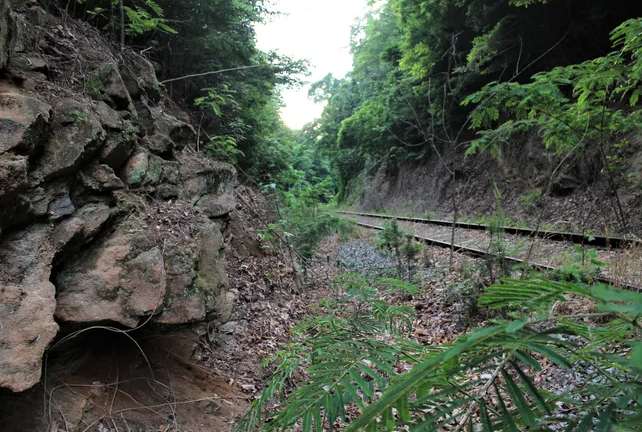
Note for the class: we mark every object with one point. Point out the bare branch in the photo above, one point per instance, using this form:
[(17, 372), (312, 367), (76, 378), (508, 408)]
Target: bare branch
[(215, 72)]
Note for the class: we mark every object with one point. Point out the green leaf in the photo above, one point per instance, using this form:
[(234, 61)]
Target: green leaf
[(550, 354), (403, 410), (523, 407), (365, 387), (506, 418), (307, 421), (605, 420), (532, 389), (372, 427), (318, 418), (371, 373), (514, 326), (586, 423), (485, 419), (347, 384), (387, 419), (528, 360)]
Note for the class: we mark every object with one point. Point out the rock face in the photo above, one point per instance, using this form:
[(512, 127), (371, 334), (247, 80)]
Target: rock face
[(25, 122), (107, 215), (7, 32), (27, 305), (121, 280)]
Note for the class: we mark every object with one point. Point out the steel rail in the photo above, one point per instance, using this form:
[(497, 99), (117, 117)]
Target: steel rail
[(576, 238), (478, 253)]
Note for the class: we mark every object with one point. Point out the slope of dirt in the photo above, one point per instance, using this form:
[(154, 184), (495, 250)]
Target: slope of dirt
[(577, 198)]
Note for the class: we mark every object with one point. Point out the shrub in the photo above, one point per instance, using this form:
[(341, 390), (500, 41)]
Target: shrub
[(401, 245)]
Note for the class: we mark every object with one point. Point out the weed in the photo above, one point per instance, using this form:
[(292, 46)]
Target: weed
[(401, 245), (580, 265), (531, 199), (347, 362)]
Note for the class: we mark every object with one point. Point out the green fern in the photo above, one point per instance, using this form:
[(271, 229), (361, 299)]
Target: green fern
[(483, 381)]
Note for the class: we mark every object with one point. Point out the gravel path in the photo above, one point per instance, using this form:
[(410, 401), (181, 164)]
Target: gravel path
[(621, 265), (362, 257)]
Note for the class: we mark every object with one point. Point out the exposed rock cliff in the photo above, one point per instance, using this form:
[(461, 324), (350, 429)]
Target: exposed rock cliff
[(107, 214)]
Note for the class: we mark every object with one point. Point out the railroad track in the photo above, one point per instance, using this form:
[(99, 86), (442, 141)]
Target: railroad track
[(544, 249), (615, 242)]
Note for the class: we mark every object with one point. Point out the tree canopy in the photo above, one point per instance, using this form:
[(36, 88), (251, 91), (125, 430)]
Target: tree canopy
[(416, 61)]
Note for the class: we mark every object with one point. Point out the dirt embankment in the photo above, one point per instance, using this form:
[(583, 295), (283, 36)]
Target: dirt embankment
[(537, 187)]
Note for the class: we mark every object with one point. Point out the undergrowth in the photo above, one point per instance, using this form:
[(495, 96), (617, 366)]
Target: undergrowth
[(363, 372), (301, 223), (401, 245)]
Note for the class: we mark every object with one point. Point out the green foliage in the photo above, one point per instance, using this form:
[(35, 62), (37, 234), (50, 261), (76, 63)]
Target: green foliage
[(401, 245), (416, 61), (146, 17), (216, 101), (301, 222), (239, 108), (496, 264), (215, 35), (483, 381), (465, 294), (343, 360), (141, 16), (591, 115), (223, 148), (580, 265), (531, 199)]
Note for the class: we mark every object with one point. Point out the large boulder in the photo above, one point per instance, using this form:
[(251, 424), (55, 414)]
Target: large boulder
[(117, 148), (197, 285), (120, 279), (140, 79), (217, 206), (27, 303), (164, 131), (201, 177), (100, 178), (24, 122), (27, 295), (109, 118), (105, 84), (135, 169), (77, 137), (175, 270)]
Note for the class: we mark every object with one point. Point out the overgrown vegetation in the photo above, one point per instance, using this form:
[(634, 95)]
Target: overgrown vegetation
[(191, 42), (300, 223), (363, 374)]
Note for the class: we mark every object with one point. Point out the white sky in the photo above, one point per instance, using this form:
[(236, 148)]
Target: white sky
[(317, 30)]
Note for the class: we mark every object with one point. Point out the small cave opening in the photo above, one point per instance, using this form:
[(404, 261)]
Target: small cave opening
[(105, 377)]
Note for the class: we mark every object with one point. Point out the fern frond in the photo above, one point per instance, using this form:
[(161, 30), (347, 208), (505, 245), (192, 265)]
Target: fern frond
[(532, 294)]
